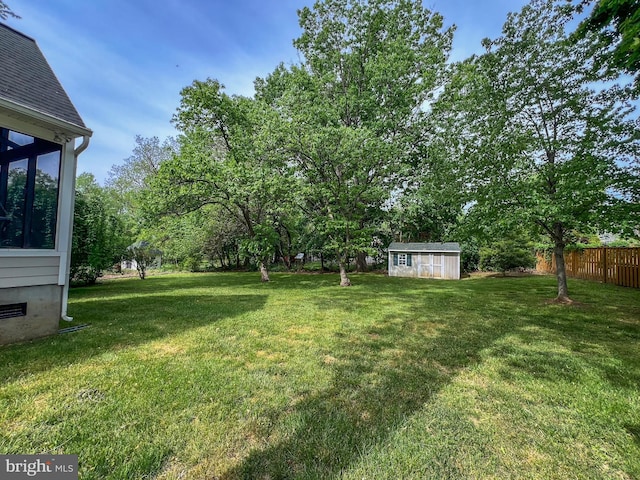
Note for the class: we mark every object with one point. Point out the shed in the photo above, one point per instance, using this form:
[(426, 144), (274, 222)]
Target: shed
[(39, 127), (425, 260)]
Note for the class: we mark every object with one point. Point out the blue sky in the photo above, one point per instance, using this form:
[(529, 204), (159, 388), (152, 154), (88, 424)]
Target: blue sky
[(124, 62)]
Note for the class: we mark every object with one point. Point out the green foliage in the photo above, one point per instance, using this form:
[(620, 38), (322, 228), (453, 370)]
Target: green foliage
[(99, 235), (227, 159), (469, 256), (262, 245), (618, 23), (506, 254), (536, 144), (128, 181), (424, 215), (347, 124), (144, 254)]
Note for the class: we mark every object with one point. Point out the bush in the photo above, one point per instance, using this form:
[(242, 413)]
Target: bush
[(506, 255), (469, 256), (81, 275)]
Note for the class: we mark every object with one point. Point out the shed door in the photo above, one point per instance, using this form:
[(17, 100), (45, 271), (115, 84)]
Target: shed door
[(436, 265), (431, 265), (424, 266)]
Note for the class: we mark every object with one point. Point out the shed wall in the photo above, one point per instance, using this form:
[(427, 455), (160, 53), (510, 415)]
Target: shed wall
[(445, 265)]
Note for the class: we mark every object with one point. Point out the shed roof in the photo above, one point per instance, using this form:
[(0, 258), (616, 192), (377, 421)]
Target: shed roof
[(27, 79), (425, 247)]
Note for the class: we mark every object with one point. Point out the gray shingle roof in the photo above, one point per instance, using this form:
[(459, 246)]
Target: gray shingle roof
[(425, 247), (27, 79)]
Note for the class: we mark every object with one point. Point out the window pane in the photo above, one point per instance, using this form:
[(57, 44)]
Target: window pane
[(45, 202), (11, 229), (20, 138)]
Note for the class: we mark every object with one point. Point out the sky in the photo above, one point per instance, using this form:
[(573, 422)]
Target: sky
[(123, 63)]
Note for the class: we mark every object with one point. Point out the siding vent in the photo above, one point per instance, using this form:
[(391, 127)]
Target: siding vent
[(13, 310)]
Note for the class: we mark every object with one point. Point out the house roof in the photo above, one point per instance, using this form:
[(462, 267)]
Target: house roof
[(26, 79), (425, 247)]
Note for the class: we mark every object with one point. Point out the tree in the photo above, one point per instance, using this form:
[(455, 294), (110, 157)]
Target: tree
[(506, 254), (538, 144), (128, 180), (351, 111), (144, 255), (226, 159), (99, 237), (618, 22), (6, 12), (425, 213)]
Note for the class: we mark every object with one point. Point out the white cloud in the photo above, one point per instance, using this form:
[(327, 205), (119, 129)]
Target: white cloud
[(124, 63)]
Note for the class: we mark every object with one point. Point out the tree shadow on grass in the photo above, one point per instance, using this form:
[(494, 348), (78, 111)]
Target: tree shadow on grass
[(167, 283), (386, 372), (122, 323), (634, 431), (248, 281), (604, 341), (382, 374)]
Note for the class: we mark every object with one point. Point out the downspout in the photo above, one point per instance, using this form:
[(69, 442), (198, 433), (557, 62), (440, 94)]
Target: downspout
[(83, 146), (65, 289)]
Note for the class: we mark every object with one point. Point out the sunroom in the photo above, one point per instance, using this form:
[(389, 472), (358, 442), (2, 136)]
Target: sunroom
[(41, 136)]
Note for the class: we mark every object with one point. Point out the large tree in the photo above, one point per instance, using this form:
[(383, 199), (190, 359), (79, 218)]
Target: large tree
[(351, 111), (99, 234), (542, 139), (128, 180), (226, 159)]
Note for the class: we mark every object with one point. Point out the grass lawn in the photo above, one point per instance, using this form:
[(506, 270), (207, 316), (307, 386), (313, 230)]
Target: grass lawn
[(217, 376)]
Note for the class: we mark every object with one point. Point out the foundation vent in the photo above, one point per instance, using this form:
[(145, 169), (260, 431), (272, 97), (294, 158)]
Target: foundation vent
[(13, 310)]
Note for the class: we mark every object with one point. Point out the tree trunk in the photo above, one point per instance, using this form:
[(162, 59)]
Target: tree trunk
[(344, 279), (361, 262), (264, 273), (561, 273), (321, 262)]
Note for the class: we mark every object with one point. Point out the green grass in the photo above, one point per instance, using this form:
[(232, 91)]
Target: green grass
[(219, 376)]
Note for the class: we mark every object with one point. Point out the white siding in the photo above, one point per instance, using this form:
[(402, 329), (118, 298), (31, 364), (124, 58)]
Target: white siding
[(452, 266), (26, 270), (444, 265)]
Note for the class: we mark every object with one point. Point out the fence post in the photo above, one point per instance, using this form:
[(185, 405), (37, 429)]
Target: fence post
[(604, 264)]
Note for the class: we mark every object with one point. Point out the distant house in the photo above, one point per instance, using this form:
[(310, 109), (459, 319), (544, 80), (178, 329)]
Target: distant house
[(425, 260), (38, 130)]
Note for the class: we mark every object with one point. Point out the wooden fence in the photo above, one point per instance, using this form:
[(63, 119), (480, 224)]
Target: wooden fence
[(619, 266)]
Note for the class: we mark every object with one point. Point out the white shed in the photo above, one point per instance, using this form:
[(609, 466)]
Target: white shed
[(39, 127), (425, 260)]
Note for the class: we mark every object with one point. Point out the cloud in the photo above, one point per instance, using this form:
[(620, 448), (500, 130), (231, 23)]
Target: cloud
[(123, 63)]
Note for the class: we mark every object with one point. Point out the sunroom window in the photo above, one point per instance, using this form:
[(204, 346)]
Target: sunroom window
[(29, 184)]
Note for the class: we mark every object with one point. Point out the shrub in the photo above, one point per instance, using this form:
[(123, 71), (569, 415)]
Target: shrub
[(506, 255), (469, 256)]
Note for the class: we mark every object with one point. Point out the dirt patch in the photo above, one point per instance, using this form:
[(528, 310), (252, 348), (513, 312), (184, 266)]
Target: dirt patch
[(509, 274), (564, 301)]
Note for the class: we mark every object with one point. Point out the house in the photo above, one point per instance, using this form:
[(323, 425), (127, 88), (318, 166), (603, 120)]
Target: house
[(425, 260), (39, 130)]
